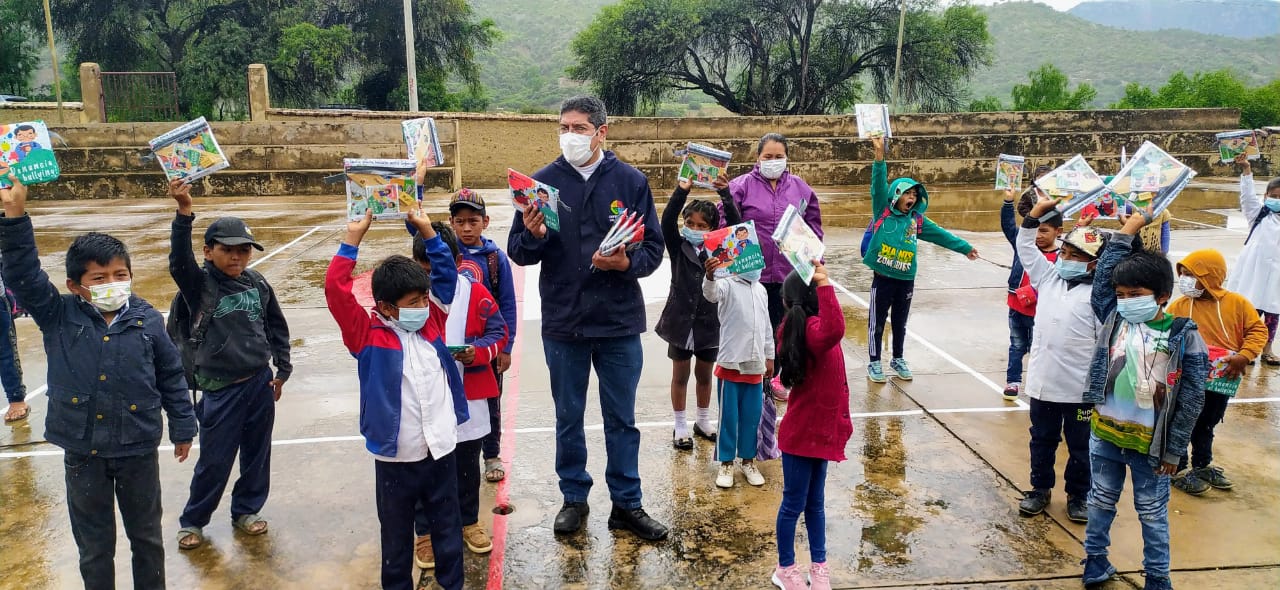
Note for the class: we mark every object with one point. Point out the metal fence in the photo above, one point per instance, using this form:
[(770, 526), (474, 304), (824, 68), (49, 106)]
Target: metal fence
[(140, 96)]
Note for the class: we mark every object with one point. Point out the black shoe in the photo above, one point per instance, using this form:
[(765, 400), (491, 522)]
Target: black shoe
[(700, 433), (570, 518), (681, 444), (1034, 502), (639, 522), (1077, 510)]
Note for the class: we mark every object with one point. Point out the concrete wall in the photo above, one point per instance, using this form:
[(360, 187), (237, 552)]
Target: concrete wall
[(72, 112)]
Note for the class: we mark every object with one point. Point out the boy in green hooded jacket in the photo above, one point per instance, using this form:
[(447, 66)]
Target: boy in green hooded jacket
[(898, 224)]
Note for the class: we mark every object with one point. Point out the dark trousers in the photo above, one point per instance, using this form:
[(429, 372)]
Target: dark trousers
[(889, 295), (10, 365), (1215, 408), (493, 440), (236, 418), (1050, 423), (433, 483), (93, 486), (1020, 328), (467, 460), (804, 483), (776, 311)]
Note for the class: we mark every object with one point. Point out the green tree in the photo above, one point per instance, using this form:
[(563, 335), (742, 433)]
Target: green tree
[(986, 104), (1215, 89), (779, 56), (1048, 90), (309, 63), (20, 41), (1136, 96)]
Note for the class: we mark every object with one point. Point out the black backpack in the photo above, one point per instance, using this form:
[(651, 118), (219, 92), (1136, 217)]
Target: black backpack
[(187, 329)]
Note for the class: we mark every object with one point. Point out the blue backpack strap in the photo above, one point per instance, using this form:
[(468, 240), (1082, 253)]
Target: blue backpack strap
[(1256, 222)]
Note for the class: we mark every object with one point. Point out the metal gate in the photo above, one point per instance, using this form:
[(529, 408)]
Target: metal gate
[(139, 96)]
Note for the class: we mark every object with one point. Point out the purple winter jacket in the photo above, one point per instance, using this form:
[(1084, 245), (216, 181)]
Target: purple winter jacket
[(760, 203)]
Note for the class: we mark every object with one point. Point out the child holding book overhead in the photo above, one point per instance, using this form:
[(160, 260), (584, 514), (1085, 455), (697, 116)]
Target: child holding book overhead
[(1022, 294), (817, 424), (743, 362), (1257, 271), (890, 252), (689, 323)]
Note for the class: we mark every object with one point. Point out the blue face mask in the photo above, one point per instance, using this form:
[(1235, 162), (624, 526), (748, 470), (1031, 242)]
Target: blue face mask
[(1138, 310), (1072, 270), (412, 319), (693, 236), (753, 276), (1273, 205)]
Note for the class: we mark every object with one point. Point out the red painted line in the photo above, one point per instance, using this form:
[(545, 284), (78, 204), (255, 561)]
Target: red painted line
[(510, 403)]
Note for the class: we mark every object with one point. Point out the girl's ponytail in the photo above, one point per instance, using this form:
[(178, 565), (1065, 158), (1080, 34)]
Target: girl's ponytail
[(801, 301)]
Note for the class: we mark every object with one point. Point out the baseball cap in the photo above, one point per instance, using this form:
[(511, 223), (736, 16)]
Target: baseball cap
[(1086, 239), (466, 198), (230, 231)]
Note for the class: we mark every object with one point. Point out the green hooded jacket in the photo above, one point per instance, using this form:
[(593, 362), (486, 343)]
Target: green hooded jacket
[(892, 251)]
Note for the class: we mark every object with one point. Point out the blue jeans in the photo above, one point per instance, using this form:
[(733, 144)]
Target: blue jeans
[(740, 408), (1150, 500), (10, 366), (1020, 327), (617, 362), (804, 482)]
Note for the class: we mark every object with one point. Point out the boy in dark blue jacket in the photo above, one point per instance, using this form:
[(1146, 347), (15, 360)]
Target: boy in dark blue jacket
[(112, 368)]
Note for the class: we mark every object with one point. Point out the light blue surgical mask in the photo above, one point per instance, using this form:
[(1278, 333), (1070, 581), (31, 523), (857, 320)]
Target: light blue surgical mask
[(693, 236), (1273, 205), (412, 319), (753, 276), (1072, 270), (1138, 310)]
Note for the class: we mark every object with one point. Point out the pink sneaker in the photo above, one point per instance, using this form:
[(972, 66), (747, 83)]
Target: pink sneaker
[(789, 578), (780, 392), (819, 577)]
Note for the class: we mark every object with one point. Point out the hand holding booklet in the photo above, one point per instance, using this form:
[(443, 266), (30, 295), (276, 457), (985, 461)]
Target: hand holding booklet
[(26, 151), (703, 165), (737, 247), (189, 152), (386, 187), (798, 242), (527, 192)]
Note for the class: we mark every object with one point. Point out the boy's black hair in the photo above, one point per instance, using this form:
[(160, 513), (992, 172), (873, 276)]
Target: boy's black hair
[(1052, 221), (1145, 269), (94, 247), (397, 276), (543, 191), (801, 301), (23, 128), (1272, 184), (768, 137), (741, 229), (706, 208)]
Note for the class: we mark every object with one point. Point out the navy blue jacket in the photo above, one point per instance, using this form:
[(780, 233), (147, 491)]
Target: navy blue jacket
[(107, 385), (576, 302), (1009, 227)]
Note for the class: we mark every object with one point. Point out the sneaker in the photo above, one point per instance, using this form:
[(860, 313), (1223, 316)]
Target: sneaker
[(1034, 502), (1011, 391), (788, 578), (1077, 509), (1190, 483), (1214, 477), (753, 475), (570, 518), (724, 475), (1097, 569), (423, 556), (875, 373), (638, 522), (1157, 583), (819, 576), (899, 366), (476, 539), (780, 392)]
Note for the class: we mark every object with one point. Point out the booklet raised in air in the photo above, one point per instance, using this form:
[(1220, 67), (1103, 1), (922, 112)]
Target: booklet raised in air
[(421, 141), (1151, 177), (703, 164), (1074, 184), (385, 186), (798, 242), (1009, 172), (1234, 143), (737, 247), (189, 152), (526, 192), (873, 120), (26, 151)]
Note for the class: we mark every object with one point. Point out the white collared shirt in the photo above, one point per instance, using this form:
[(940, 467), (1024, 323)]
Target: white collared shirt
[(428, 426), (746, 336), (455, 333)]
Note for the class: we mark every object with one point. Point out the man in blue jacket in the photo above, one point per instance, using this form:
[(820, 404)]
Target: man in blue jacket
[(592, 311)]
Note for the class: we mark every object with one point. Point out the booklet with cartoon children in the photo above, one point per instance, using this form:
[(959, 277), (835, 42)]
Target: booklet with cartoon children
[(1074, 184), (385, 186), (873, 120), (1150, 177), (422, 141), (1234, 143), (703, 164), (737, 247), (1218, 381), (1009, 172), (526, 191), (27, 152), (189, 152), (798, 242)]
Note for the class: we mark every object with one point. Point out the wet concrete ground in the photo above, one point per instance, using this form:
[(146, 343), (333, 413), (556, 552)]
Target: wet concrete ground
[(928, 497)]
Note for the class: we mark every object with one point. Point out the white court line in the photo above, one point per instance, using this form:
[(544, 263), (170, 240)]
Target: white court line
[(1209, 225)]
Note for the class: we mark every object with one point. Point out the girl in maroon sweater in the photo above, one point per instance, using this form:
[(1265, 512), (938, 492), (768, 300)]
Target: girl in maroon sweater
[(817, 424)]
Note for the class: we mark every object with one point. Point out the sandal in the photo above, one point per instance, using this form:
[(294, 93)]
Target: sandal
[(681, 444), (10, 417), (1270, 359), (190, 537), (250, 524), (493, 471)]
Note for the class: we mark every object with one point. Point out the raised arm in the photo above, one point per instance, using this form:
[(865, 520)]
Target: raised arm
[(879, 179), (1008, 223), (671, 217), (1250, 203), (826, 329), (183, 266), (1033, 261), (352, 319), (22, 272)]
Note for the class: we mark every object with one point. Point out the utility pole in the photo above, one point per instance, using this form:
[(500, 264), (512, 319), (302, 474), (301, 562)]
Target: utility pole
[(53, 54), (897, 64), (411, 59)]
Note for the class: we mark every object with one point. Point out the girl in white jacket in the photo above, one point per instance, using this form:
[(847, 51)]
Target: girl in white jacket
[(1257, 271)]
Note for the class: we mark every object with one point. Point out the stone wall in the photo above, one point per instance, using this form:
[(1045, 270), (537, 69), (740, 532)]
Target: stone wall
[(16, 112)]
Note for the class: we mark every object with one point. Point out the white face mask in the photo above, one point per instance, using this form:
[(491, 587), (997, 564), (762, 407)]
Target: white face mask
[(1187, 284), (577, 147), (110, 297), (773, 169)]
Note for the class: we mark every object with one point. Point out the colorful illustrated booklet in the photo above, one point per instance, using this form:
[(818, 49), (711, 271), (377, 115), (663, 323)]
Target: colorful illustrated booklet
[(873, 120), (385, 186), (1150, 177), (703, 164), (526, 191), (798, 242), (1234, 143), (1074, 184), (737, 247), (26, 151), (627, 232), (1009, 172), (189, 152), (1218, 381), (421, 141)]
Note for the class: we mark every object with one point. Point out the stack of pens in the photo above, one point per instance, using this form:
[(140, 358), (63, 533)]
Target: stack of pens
[(629, 228)]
